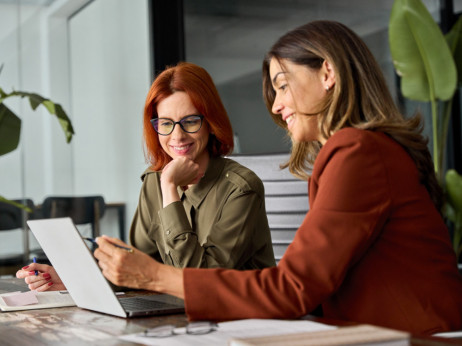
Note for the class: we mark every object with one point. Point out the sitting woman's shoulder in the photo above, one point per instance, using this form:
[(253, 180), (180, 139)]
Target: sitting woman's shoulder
[(242, 176)]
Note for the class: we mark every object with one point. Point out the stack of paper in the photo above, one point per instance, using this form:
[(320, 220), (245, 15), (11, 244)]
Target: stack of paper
[(354, 335), (229, 330)]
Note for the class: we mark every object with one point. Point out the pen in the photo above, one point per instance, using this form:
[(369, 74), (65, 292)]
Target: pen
[(35, 261), (119, 246)]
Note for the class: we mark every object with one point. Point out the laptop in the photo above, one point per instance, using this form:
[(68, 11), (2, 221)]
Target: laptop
[(80, 273)]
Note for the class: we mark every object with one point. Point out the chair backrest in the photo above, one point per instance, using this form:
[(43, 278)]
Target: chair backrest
[(14, 218), (286, 197), (82, 210)]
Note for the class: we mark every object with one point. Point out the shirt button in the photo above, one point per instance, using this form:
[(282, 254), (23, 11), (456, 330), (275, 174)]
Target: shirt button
[(168, 232)]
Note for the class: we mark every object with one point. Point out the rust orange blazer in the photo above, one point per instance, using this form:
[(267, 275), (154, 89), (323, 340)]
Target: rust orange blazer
[(372, 249)]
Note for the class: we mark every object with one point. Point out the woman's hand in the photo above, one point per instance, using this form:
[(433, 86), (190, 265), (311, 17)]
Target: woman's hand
[(178, 172), (46, 278), (181, 172), (124, 268), (136, 269)]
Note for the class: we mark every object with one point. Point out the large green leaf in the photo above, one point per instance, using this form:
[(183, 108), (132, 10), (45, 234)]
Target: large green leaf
[(10, 129), (454, 189), (36, 100), (420, 53), (454, 39)]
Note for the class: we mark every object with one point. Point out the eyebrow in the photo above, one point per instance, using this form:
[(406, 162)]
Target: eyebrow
[(189, 115), (276, 76)]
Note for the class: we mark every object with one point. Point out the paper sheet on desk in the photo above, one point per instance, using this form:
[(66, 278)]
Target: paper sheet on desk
[(30, 300), (20, 298), (228, 330)]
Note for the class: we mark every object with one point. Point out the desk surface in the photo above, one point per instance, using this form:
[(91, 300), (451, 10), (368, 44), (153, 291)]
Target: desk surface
[(75, 326)]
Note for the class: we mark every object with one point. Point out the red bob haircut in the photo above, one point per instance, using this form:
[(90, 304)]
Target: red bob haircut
[(197, 83)]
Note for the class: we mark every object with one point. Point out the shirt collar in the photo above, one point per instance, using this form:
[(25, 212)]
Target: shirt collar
[(196, 193)]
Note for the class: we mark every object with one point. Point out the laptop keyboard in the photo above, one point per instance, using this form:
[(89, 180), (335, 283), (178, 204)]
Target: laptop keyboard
[(140, 304)]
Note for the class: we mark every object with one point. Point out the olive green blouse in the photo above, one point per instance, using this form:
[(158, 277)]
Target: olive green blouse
[(220, 222)]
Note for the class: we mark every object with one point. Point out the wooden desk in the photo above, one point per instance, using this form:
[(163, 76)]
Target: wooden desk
[(72, 325), (75, 326)]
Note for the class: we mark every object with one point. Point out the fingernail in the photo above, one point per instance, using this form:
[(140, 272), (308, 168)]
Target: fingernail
[(46, 275), (50, 283), (25, 267), (32, 272)]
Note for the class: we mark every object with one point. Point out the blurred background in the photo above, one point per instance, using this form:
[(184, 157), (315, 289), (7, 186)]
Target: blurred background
[(98, 58)]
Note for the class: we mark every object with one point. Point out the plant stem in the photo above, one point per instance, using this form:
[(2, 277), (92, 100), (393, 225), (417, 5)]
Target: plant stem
[(447, 107), (434, 105)]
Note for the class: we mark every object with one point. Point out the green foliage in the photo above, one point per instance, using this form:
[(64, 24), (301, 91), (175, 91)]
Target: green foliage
[(454, 207), (430, 66), (10, 127), (10, 123), (421, 55), (454, 39)]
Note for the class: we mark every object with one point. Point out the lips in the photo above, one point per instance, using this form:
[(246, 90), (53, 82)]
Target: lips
[(181, 149), (289, 119)]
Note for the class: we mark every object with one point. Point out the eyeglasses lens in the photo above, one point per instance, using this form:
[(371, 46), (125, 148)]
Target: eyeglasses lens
[(190, 124), (160, 332), (198, 328)]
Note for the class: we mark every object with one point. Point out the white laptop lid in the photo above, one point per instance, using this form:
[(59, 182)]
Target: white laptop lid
[(75, 265)]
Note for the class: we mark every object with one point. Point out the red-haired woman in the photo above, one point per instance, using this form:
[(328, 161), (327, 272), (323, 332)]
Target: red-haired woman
[(196, 208)]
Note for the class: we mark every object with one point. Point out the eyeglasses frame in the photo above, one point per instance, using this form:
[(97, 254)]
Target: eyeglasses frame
[(179, 123), (212, 326)]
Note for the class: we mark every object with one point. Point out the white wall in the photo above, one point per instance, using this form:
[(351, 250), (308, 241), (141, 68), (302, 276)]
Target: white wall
[(93, 59), (20, 54), (109, 82)]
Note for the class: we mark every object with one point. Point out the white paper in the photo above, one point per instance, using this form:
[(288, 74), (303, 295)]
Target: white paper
[(20, 298), (35, 300), (228, 330)]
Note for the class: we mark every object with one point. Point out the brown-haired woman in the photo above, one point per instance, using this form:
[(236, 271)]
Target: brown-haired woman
[(373, 248)]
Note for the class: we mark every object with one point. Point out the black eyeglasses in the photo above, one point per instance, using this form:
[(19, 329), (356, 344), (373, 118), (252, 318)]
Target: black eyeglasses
[(193, 328), (189, 124)]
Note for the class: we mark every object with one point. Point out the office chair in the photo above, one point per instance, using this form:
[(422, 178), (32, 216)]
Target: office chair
[(286, 197), (82, 210), (13, 219)]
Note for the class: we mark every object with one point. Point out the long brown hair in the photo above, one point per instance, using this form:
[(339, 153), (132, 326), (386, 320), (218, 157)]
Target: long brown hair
[(359, 99), (197, 83)]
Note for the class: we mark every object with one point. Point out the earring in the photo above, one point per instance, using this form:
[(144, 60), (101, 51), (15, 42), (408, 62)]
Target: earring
[(327, 88)]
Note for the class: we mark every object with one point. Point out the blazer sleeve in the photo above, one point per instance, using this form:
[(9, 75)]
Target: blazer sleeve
[(349, 204)]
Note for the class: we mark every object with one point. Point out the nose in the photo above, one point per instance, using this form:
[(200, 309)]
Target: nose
[(177, 131), (277, 106)]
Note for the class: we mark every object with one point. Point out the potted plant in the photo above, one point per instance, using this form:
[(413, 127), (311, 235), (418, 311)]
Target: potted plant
[(430, 66), (10, 123)]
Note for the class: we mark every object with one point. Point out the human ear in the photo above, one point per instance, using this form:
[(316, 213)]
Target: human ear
[(328, 75)]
